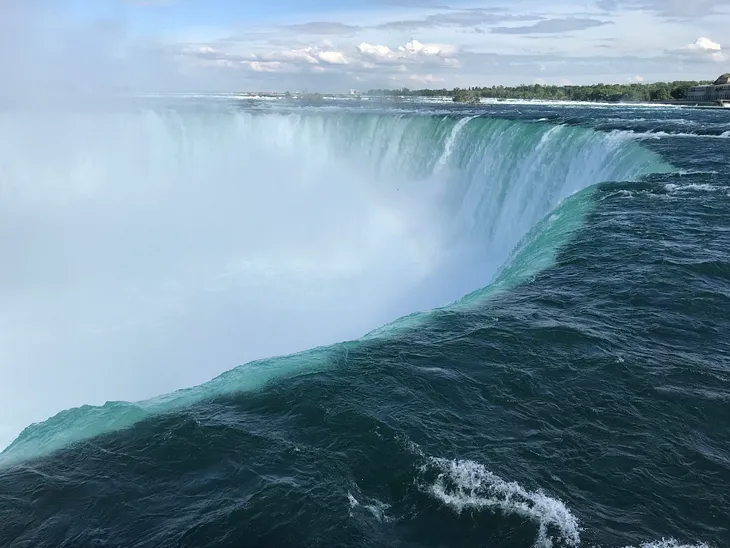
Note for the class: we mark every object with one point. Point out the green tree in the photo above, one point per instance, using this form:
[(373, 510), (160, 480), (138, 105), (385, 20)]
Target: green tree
[(470, 96), (660, 91)]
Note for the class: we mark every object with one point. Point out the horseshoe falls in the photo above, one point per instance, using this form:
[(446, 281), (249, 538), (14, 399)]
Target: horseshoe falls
[(154, 242), (360, 324)]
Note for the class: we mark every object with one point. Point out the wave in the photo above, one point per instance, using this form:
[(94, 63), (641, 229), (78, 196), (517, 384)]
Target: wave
[(670, 543), (466, 485), (700, 187), (658, 134), (160, 245)]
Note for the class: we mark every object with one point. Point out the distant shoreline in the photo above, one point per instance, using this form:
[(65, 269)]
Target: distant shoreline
[(611, 93), (414, 97), (657, 92)]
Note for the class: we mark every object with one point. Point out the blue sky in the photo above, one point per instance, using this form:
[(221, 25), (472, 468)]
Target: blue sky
[(332, 46)]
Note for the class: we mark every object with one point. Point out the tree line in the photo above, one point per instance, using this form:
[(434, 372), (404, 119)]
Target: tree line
[(659, 91)]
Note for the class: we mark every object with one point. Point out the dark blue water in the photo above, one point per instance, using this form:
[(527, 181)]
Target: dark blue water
[(585, 403)]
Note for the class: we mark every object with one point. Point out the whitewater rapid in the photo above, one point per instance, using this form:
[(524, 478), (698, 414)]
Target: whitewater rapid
[(151, 249)]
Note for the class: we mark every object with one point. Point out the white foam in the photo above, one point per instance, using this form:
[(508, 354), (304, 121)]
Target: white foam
[(663, 134), (701, 187), (352, 500), (670, 543), (697, 172), (449, 144), (375, 507), (468, 485), (465, 484)]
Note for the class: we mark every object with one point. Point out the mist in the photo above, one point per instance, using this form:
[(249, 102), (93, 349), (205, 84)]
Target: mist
[(145, 252), (149, 249), (150, 246)]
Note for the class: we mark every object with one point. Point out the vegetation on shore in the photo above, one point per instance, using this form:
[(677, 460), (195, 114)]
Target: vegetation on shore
[(659, 91), (469, 96)]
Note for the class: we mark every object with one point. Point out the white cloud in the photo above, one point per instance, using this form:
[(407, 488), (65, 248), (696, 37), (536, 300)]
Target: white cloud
[(705, 46), (307, 59), (383, 52), (329, 58), (414, 47), (332, 57), (308, 55), (266, 66), (412, 51), (425, 79)]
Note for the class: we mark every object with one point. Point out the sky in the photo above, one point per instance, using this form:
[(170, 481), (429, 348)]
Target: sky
[(331, 46)]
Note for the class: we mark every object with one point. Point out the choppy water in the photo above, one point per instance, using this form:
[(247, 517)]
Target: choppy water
[(561, 376)]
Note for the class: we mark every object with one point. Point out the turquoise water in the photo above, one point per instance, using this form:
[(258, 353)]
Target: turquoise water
[(532, 302)]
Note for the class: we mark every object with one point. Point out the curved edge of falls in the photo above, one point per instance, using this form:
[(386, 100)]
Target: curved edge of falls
[(564, 162)]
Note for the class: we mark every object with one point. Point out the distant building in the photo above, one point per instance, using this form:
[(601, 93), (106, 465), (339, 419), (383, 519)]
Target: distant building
[(354, 92), (719, 91)]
